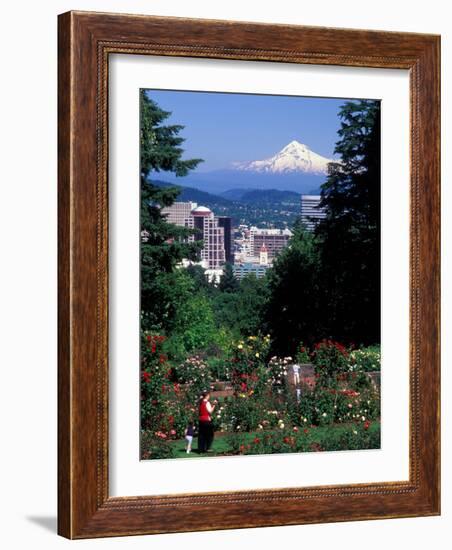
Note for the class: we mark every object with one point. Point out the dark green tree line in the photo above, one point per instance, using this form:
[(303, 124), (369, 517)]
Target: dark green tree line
[(163, 244), (350, 234), (327, 284), (293, 311)]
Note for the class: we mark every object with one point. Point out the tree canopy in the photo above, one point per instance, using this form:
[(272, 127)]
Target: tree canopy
[(163, 245), (350, 233), (293, 312)]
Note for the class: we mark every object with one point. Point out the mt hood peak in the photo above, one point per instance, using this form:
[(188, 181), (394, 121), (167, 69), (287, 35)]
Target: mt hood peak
[(294, 157)]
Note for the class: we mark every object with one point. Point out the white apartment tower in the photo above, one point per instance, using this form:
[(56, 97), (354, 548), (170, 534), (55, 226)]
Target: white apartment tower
[(311, 213)]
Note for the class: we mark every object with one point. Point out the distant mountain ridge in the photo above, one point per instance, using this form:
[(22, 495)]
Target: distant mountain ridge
[(232, 195), (260, 207), (195, 195), (220, 181), (267, 195)]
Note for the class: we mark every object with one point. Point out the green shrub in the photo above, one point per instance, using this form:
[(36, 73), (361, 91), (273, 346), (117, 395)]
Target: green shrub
[(366, 359), (245, 414), (330, 360), (237, 442), (220, 368), (302, 411), (303, 355), (358, 436), (154, 446)]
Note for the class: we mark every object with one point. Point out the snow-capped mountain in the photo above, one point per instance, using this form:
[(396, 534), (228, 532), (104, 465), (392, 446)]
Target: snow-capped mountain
[(294, 157)]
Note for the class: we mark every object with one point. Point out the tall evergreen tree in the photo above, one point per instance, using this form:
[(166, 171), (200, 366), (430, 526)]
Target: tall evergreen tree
[(228, 281), (350, 233), (163, 244), (292, 312)]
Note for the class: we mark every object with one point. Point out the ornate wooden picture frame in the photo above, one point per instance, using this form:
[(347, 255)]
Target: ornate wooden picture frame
[(86, 41)]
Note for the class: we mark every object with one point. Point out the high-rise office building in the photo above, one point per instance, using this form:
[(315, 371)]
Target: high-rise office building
[(213, 231), (226, 223), (273, 240), (213, 252), (179, 213), (311, 212)]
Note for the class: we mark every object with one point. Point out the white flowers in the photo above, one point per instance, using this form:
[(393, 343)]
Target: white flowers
[(324, 415), (365, 360)]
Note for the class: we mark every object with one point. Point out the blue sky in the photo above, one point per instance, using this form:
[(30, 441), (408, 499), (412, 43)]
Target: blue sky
[(221, 128)]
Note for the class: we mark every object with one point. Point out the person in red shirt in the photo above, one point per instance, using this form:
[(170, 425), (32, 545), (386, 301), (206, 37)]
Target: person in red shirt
[(205, 433)]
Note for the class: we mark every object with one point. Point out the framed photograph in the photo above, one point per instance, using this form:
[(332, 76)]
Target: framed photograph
[(248, 275)]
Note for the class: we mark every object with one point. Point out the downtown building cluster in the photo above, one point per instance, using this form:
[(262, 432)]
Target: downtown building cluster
[(249, 249)]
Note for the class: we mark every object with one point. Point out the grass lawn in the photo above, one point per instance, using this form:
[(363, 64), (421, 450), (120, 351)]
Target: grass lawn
[(221, 446)]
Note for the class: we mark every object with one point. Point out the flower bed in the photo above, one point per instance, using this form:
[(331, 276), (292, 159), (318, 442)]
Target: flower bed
[(261, 395)]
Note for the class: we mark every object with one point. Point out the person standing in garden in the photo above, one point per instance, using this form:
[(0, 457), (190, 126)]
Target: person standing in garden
[(205, 433), (296, 374), (189, 432)]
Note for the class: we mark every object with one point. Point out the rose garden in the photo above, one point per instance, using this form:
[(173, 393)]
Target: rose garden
[(263, 407)]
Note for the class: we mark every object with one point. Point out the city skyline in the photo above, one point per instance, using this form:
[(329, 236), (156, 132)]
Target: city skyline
[(249, 249)]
